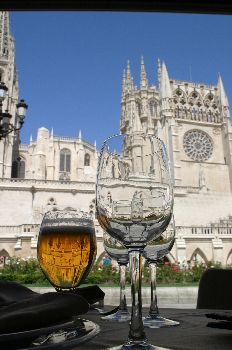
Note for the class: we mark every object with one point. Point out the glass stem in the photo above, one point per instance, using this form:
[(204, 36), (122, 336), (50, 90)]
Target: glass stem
[(153, 306), (136, 332), (122, 270)]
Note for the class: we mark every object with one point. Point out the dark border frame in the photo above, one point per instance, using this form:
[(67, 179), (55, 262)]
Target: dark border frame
[(184, 6)]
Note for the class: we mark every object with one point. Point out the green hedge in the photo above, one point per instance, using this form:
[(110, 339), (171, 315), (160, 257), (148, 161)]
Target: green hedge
[(29, 272), (25, 271)]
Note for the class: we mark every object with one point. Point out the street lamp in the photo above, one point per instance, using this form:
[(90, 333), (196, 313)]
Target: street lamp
[(5, 126)]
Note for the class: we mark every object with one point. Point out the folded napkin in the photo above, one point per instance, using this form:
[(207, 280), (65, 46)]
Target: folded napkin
[(220, 324), (22, 309), (10, 292), (223, 315), (92, 294), (41, 311)]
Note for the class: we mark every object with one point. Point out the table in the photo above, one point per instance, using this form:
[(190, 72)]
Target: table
[(192, 334)]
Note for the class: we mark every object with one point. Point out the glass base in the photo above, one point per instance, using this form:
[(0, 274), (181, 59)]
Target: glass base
[(137, 346), (118, 316), (157, 321)]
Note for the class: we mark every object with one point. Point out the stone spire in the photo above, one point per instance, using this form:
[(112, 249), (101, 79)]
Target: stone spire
[(222, 94), (5, 36), (8, 75), (124, 82), (165, 87), (143, 76), (159, 73), (80, 135), (129, 79)]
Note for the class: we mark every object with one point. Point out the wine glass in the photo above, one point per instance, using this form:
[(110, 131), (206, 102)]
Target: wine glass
[(154, 251), (66, 247), (134, 202), (117, 251)]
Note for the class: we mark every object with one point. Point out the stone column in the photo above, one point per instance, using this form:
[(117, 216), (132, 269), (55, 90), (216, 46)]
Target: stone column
[(180, 249), (217, 247)]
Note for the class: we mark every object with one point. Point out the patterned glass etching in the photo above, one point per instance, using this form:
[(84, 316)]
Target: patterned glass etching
[(198, 145)]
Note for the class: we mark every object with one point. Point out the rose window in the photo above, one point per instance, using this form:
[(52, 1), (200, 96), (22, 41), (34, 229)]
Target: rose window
[(198, 145)]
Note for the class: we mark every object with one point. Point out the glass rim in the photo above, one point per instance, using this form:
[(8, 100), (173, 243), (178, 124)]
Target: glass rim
[(134, 133)]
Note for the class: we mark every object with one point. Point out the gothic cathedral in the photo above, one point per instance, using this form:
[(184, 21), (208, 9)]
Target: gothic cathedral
[(192, 119)]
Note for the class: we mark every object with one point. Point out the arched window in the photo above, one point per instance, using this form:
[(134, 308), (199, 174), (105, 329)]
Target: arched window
[(18, 169), (1, 75), (87, 160), (198, 257), (65, 160), (152, 108), (138, 107), (229, 258), (4, 256)]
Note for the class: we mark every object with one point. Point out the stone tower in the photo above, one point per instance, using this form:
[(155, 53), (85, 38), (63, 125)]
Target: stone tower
[(8, 75), (192, 119)]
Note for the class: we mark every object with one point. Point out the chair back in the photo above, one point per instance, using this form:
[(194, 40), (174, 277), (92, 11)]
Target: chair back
[(215, 289)]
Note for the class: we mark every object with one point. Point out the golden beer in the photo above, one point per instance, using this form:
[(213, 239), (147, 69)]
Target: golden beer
[(66, 253)]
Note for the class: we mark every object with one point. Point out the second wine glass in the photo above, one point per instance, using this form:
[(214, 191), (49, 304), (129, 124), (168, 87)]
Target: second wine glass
[(118, 252), (154, 251)]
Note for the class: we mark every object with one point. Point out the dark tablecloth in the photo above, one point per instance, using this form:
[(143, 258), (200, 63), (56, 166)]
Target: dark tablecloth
[(191, 334)]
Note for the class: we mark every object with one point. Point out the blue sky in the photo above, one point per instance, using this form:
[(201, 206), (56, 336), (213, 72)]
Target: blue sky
[(70, 64)]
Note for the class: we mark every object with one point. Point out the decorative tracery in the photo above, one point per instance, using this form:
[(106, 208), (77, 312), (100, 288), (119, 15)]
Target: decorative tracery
[(198, 145), (196, 107)]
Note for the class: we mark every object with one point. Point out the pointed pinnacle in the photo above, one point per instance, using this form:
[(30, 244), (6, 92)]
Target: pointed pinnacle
[(143, 76)]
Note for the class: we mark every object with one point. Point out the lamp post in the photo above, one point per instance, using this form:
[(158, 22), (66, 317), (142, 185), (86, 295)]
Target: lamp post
[(5, 126)]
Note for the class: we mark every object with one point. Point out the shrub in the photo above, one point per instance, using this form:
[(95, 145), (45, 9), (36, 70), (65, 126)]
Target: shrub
[(22, 270), (27, 271)]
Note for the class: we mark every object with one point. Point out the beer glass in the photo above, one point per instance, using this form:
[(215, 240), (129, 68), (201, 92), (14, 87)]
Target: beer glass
[(66, 247)]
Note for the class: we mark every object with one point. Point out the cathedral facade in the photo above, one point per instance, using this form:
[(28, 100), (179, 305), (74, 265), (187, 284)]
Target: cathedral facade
[(192, 119)]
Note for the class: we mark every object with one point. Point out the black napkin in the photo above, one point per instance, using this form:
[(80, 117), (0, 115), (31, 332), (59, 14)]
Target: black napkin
[(224, 319), (220, 324), (92, 294), (10, 292), (22, 309), (223, 315), (41, 311)]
